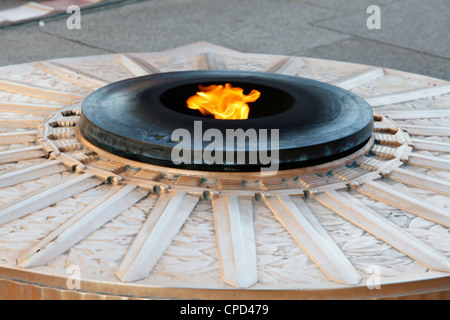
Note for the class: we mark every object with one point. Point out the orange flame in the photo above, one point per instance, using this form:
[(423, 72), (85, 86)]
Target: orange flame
[(224, 102)]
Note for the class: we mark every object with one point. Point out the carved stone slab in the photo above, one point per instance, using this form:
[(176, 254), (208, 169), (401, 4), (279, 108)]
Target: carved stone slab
[(142, 231)]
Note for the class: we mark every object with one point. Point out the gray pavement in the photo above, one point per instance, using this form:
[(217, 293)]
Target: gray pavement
[(414, 34), (8, 4)]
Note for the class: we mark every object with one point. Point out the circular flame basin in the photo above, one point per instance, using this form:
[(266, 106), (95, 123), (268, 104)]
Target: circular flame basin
[(310, 122)]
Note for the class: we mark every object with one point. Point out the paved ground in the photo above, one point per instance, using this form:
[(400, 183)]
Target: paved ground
[(414, 34)]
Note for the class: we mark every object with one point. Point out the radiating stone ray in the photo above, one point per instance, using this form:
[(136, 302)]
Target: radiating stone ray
[(416, 114), (210, 61), (430, 145), (39, 92), (75, 76), (310, 235), (20, 124), (399, 199), (135, 65), (358, 79), (420, 160), (47, 196), (9, 138), (234, 224), (408, 95), (32, 172), (89, 219), (29, 108), (164, 221), (416, 130), (366, 218), (289, 66), (18, 154), (420, 180)]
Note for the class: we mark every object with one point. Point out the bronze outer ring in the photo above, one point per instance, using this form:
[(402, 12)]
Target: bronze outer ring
[(28, 285)]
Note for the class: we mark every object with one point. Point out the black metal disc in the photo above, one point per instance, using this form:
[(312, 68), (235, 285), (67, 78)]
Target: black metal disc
[(136, 118)]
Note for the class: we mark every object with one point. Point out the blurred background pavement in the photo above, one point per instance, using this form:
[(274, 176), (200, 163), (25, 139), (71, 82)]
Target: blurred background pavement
[(414, 34)]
